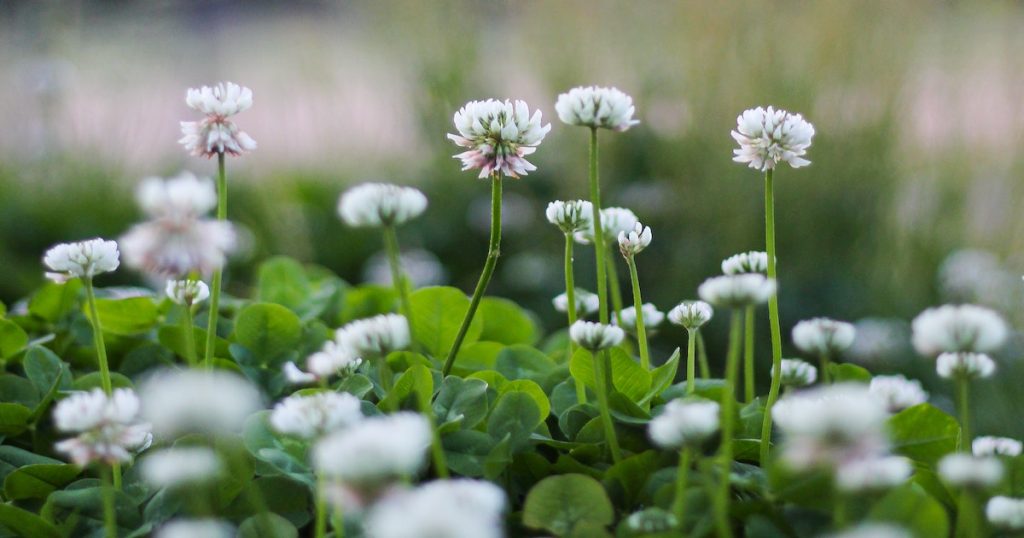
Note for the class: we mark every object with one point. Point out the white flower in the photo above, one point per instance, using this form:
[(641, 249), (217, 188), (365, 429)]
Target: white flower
[(172, 467), (182, 197), (684, 423), (332, 359), (996, 446), (108, 427), (737, 291), (966, 471), (84, 259), (745, 262), (380, 204), (215, 134), (797, 373), (210, 401), (691, 314), (317, 414), (376, 336), (970, 365), (872, 530), (897, 392), (878, 340), (873, 473), (375, 450), (595, 336), (634, 241), (596, 107), (571, 216), (614, 220), (586, 302), (952, 328), (652, 520), (823, 336), (627, 317), (460, 508), (1005, 512), (187, 292), (499, 136), (195, 528), (767, 137)]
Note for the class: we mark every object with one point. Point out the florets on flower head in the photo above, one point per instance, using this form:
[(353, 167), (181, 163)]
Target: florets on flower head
[(973, 472), (499, 135), (376, 336), (823, 336), (209, 401), (770, 136), (374, 451), (173, 467), (460, 508), (737, 291), (996, 446), (108, 427), (586, 302), (195, 528), (570, 216), (634, 241), (797, 373), (187, 292), (1005, 512), (872, 530), (380, 204), (614, 220), (691, 315), (315, 415), (873, 473), (953, 328), (596, 107), (627, 317), (595, 336), (84, 259), (332, 359), (684, 423), (969, 365), (897, 392), (746, 262), (215, 134)]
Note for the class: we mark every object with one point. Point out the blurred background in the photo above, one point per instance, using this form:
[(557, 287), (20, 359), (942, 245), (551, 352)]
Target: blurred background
[(912, 198)]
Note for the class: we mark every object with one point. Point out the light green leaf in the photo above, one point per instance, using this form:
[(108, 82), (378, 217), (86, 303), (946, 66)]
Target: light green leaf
[(437, 315), (52, 301), (416, 381), (282, 280), (532, 389), (662, 377), (524, 362), (506, 323), (267, 525), (12, 338), (267, 330), (13, 418), (923, 433), (628, 376), (846, 372), (561, 504), (911, 508), (125, 317)]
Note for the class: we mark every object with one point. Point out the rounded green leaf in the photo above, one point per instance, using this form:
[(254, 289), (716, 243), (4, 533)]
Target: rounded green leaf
[(437, 314), (505, 322), (12, 338), (516, 415), (913, 509), (265, 525), (267, 330), (561, 504), (126, 317), (461, 399), (38, 480), (923, 433)]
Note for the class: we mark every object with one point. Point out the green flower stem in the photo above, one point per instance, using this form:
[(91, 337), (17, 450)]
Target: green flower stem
[(570, 295), (968, 519), (691, 366), (840, 517), (222, 214), (702, 357), (603, 380), (748, 355), (963, 406), (823, 363), (398, 278), (97, 336), (599, 244), (493, 251), (338, 523), (190, 336), (773, 317), (727, 409), (385, 374), (320, 524), (682, 478), (109, 506), (613, 283), (641, 331)]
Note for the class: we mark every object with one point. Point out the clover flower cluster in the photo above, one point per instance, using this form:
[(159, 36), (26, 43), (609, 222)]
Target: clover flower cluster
[(737, 291), (968, 471), (205, 401), (83, 259), (461, 508), (570, 216), (627, 317), (634, 241), (897, 392), (691, 315), (595, 336), (315, 415), (770, 136), (108, 427), (175, 467), (796, 373), (380, 204), (187, 292), (215, 134), (361, 339), (823, 336), (372, 453), (614, 220), (597, 108), (684, 423), (745, 262), (499, 135), (586, 302)]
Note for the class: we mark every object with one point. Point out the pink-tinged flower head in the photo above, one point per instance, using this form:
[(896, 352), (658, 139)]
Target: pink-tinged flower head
[(215, 134), (107, 426), (768, 136), (499, 135)]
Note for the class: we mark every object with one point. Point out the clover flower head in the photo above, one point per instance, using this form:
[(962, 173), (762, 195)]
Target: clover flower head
[(595, 336), (873, 473), (108, 427), (872, 530), (745, 262), (380, 204), (996, 446), (596, 107), (215, 134), (586, 302), (969, 365), (627, 317), (187, 292), (797, 373), (375, 450), (684, 422), (897, 392), (691, 315), (634, 241), (570, 216), (737, 291), (83, 259), (878, 340), (195, 528), (953, 328), (460, 508), (971, 472), (652, 520), (182, 197), (823, 336), (173, 467), (770, 136), (332, 359), (315, 415), (211, 401), (614, 220), (375, 336), (1005, 512), (499, 135)]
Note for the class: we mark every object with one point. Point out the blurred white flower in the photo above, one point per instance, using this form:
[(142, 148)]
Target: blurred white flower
[(953, 328), (684, 422), (1005, 512), (380, 204), (330, 360), (570, 216), (173, 467), (316, 414), (872, 530), (499, 135), (187, 292), (691, 314), (195, 528), (83, 259), (797, 373), (208, 401), (652, 520), (376, 450), (873, 473), (215, 134), (182, 197), (422, 268), (595, 336), (767, 137), (978, 276), (586, 302), (745, 262), (596, 107), (460, 508), (634, 241), (108, 427), (970, 365), (737, 291), (879, 340), (376, 336), (996, 446), (614, 220), (652, 318), (823, 336), (897, 392), (966, 471)]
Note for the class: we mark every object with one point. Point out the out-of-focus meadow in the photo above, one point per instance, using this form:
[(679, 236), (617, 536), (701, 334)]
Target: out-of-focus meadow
[(918, 107)]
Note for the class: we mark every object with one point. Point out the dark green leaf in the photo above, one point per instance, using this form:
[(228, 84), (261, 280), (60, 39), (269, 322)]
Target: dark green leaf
[(465, 398), (913, 509), (923, 433), (267, 330), (561, 504), (25, 523), (516, 415), (38, 480), (267, 525)]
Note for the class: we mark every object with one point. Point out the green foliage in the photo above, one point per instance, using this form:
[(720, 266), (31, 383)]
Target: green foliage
[(437, 313), (126, 317), (567, 504), (267, 330)]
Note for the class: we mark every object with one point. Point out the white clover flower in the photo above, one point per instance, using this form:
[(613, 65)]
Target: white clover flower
[(195, 528), (967, 471), (970, 365), (460, 508), (108, 427), (1005, 512), (878, 340), (597, 108), (691, 314), (614, 220), (952, 328), (796, 373), (380, 204), (315, 415), (586, 302), (634, 241), (376, 336), (684, 423), (872, 530), (177, 239), (187, 292), (745, 262), (652, 520), (823, 336), (376, 450), (210, 401), (627, 317), (737, 291), (499, 136), (897, 392), (84, 259), (173, 467), (595, 336), (422, 268), (996, 446), (330, 360), (767, 137), (873, 473), (215, 134), (571, 216)]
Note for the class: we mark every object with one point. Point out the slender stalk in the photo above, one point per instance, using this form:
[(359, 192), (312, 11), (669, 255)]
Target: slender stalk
[(728, 401), (493, 251), (97, 336), (691, 366), (748, 355), (385, 374), (603, 379), (398, 278), (968, 519), (963, 405), (613, 283), (702, 357), (190, 336), (641, 331), (682, 477), (338, 523), (823, 362), (436, 448), (320, 524), (599, 244), (840, 517), (222, 214), (773, 316), (109, 507), (570, 296)]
